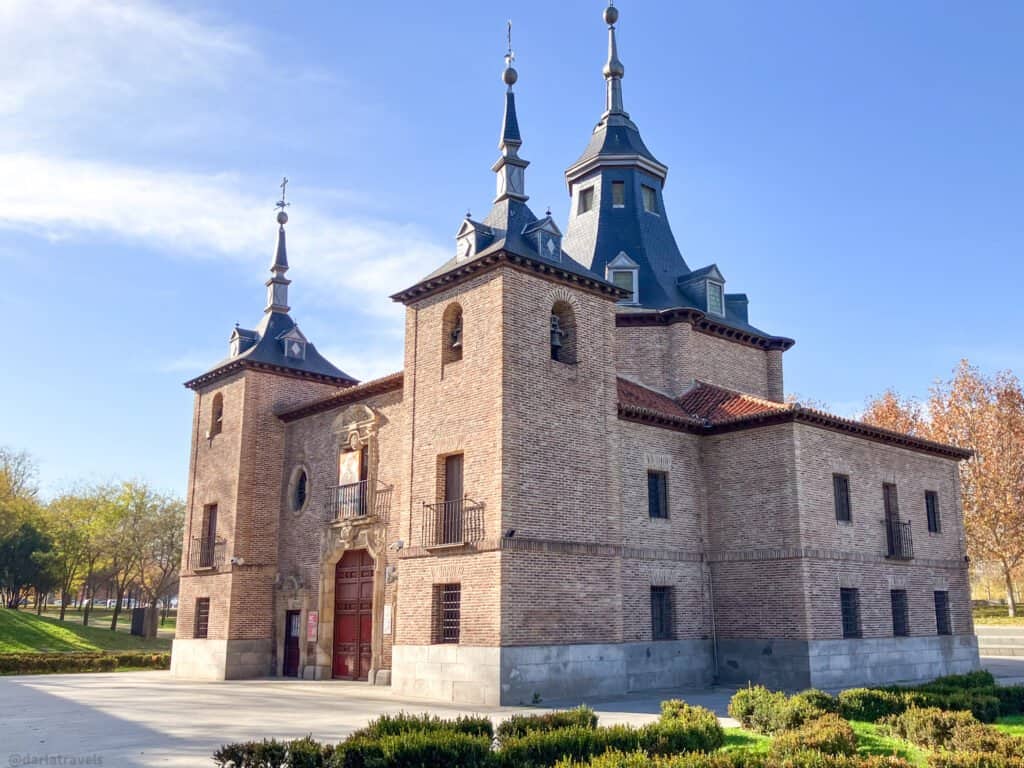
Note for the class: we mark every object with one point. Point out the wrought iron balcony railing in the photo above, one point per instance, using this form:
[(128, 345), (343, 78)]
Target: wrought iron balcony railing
[(206, 553), (453, 522), (358, 500), (900, 543)]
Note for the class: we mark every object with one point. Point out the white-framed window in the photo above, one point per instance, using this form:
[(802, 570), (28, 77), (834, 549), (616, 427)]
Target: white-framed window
[(650, 198), (586, 201), (618, 194), (627, 280), (716, 298)]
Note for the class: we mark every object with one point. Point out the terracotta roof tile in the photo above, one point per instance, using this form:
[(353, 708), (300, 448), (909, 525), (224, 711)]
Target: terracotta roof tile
[(717, 404)]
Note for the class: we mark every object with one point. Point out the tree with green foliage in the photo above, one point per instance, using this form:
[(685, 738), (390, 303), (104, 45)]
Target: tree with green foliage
[(160, 559)]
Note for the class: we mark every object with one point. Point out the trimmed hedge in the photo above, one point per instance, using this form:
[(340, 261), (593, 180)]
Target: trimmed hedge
[(765, 711), (542, 749), (300, 753), (929, 727), (520, 725), (740, 760), (693, 728), (870, 704), (984, 738), (973, 760), (413, 749), (404, 722), (829, 734), (40, 663)]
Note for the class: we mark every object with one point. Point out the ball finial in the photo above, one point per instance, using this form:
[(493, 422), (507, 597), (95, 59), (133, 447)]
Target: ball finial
[(282, 218), (509, 76), (611, 15)]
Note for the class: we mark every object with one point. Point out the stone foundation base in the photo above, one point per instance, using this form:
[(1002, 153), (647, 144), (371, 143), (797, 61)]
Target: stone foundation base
[(831, 664), (221, 659), (522, 674)]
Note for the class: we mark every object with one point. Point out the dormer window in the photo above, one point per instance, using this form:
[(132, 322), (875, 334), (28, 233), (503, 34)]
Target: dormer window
[(716, 299), (295, 349), (623, 272), (650, 197), (586, 201), (618, 194)]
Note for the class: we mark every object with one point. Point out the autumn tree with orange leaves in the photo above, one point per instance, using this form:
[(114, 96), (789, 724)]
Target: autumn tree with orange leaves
[(986, 415)]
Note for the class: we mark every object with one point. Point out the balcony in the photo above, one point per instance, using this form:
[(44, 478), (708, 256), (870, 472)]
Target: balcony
[(900, 543), (449, 523), (358, 501), (206, 554)]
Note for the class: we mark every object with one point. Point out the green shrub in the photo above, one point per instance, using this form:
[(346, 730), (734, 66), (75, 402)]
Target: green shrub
[(676, 736), (617, 759), (757, 708), (830, 734), (413, 749), (405, 722), (307, 753), (39, 663), (973, 760), (253, 754), (985, 738), (869, 704), (520, 725), (930, 727), (982, 678), (819, 700), (691, 728), (542, 749), (1011, 699)]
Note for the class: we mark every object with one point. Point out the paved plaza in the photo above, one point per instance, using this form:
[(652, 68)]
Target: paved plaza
[(151, 719)]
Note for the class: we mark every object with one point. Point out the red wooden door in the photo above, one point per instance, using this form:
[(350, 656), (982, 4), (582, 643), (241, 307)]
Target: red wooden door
[(353, 608)]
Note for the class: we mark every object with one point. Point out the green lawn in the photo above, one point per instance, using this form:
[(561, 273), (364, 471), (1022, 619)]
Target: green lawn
[(1012, 724), (24, 632), (871, 741), (100, 618), (995, 615), (740, 739)]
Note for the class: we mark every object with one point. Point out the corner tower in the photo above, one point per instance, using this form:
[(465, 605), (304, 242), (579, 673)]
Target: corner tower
[(229, 561)]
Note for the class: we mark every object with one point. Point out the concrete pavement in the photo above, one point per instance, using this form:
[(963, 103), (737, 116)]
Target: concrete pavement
[(151, 719)]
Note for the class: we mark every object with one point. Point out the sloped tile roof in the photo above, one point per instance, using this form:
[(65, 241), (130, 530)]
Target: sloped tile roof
[(389, 383), (716, 404)]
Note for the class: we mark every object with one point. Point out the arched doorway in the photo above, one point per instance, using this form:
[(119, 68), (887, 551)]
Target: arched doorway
[(353, 616)]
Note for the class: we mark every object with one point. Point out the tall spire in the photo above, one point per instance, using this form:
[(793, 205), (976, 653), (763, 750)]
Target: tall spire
[(613, 69), (510, 167), (277, 286)]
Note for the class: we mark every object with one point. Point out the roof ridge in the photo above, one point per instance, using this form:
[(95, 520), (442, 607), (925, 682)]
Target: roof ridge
[(740, 393)]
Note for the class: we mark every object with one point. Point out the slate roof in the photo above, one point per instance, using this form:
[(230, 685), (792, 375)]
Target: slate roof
[(268, 352), (709, 409)]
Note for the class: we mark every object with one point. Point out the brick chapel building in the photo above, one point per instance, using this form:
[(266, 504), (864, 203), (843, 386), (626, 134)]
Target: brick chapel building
[(584, 481)]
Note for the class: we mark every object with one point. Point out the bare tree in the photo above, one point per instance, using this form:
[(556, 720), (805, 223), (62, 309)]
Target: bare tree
[(160, 559)]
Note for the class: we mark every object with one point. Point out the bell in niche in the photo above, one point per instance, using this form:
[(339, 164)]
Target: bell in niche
[(557, 334), (456, 334)]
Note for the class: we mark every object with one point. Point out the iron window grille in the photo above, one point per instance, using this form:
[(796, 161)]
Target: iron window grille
[(202, 627), (943, 621), (900, 616), (661, 613), (448, 612), (931, 506), (841, 495), (453, 522), (657, 494), (849, 600)]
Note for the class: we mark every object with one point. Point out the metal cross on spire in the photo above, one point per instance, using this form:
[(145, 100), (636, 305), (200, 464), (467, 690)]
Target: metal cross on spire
[(281, 204), (509, 56)]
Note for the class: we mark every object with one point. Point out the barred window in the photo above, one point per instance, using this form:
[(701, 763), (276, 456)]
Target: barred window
[(202, 626), (447, 612), (661, 613), (841, 494), (657, 494), (943, 622), (900, 617), (849, 600), (931, 508)]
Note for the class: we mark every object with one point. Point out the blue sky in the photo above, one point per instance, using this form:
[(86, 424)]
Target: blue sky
[(855, 168)]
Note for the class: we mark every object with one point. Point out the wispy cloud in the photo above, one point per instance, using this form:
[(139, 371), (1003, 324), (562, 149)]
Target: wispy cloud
[(214, 216)]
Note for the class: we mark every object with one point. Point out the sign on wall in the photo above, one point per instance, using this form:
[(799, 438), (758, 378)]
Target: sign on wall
[(312, 625), (387, 618)]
